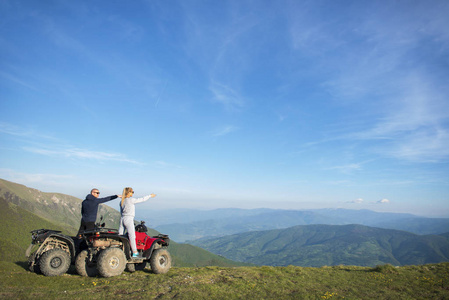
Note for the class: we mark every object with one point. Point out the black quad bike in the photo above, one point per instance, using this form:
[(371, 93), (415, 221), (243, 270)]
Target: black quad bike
[(50, 252), (99, 251)]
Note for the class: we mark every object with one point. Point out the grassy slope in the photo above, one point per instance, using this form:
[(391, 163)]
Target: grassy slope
[(384, 282), (15, 226)]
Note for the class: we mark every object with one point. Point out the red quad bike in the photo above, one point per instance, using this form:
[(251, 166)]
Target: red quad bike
[(105, 252)]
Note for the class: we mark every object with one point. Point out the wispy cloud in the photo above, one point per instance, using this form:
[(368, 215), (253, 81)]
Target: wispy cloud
[(57, 149), (347, 169), (361, 201), (17, 80), (356, 201), (227, 97), (393, 82), (415, 126), (81, 154), (31, 178), (18, 131), (383, 201), (163, 164), (11, 129), (224, 130)]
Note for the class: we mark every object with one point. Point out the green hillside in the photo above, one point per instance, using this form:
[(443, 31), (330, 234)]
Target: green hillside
[(54, 207), (321, 245), (17, 222), (15, 236)]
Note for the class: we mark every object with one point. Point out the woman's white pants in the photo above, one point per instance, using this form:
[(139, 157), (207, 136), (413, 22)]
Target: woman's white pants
[(128, 223)]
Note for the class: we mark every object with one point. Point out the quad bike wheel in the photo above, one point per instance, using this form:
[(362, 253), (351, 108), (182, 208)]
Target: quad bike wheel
[(54, 262), (160, 261), (111, 262), (84, 266)]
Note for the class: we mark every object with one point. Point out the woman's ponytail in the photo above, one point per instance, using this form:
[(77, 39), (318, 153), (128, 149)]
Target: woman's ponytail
[(125, 193)]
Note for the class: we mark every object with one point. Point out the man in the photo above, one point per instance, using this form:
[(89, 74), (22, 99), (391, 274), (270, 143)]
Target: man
[(89, 209)]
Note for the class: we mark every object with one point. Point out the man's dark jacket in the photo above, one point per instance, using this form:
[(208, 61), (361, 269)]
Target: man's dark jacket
[(89, 207)]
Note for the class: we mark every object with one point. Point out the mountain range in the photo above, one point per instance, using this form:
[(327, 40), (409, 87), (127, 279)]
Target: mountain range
[(195, 224), (327, 245)]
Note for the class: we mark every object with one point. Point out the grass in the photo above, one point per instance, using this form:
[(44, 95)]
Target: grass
[(348, 282)]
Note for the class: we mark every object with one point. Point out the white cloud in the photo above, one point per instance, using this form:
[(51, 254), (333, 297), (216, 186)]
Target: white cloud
[(224, 130), (81, 154), (33, 178), (11, 129), (383, 201), (347, 169), (163, 164), (409, 123), (398, 82), (415, 126), (17, 80), (226, 96), (56, 149), (357, 201)]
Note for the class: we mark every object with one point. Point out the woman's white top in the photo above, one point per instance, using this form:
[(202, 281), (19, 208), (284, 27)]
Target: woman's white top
[(128, 209)]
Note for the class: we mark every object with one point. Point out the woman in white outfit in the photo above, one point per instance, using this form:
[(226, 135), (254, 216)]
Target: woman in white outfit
[(128, 211)]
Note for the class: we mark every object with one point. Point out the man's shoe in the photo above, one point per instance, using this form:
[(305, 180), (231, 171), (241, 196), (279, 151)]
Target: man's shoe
[(136, 255)]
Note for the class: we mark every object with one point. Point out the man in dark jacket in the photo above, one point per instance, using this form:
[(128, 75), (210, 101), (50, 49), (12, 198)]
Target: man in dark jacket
[(89, 209)]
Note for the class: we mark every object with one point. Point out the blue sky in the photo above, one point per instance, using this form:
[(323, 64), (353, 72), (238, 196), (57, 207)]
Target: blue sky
[(280, 104)]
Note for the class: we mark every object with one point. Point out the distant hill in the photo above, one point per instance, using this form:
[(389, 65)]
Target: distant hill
[(31, 209), (400, 221), (418, 225), (320, 245), (220, 222), (183, 215), (274, 219), (54, 207), (361, 216)]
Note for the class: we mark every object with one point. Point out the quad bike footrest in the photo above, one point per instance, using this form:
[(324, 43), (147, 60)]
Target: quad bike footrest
[(136, 260)]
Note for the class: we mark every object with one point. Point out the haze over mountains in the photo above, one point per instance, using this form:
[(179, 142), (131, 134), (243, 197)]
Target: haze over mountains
[(186, 225)]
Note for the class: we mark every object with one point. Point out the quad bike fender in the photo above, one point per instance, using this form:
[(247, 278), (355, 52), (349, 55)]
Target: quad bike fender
[(126, 246), (153, 244), (123, 239), (50, 241), (70, 244)]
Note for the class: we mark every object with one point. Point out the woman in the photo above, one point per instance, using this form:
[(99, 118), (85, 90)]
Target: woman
[(128, 212)]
